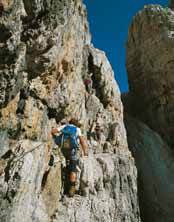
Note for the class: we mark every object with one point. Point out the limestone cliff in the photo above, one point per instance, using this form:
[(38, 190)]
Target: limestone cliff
[(150, 101), (150, 68), (45, 55), (154, 160)]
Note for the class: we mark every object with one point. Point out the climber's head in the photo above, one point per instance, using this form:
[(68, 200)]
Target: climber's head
[(75, 122)]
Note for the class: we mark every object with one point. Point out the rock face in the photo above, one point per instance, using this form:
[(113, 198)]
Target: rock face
[(151, 102), (150, 68), (154, 160), (45, 56)]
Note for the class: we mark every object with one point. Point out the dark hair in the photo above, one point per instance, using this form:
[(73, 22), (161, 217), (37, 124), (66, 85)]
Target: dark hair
[(75, 122)]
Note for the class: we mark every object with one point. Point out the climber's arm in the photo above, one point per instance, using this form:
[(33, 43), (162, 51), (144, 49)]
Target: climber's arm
[(55, 131), (84, 145)]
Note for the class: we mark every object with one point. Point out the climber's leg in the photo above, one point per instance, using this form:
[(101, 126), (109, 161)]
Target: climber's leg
[(65, 178), (72, 177)]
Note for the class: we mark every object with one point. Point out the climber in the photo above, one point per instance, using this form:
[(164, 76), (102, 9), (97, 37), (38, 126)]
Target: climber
[(98, 132), (115, 131), (68, 137), (97, 129), (88, 83)]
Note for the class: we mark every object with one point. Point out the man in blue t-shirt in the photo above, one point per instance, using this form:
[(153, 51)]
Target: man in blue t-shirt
[(69, 138)]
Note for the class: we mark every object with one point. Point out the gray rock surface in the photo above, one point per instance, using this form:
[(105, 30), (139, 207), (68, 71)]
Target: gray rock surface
[(45, 56), (105, 187), (150, 68), (151, 103), (154, 160)]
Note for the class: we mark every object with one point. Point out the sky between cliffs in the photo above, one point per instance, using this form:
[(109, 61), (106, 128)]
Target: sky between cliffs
[(109, 21)]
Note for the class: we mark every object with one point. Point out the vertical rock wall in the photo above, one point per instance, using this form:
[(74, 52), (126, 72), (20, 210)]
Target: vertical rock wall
[(154, 160), (150, 68), (45, 55)]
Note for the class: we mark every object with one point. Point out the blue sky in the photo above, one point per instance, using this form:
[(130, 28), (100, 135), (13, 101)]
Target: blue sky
[(109, 21)]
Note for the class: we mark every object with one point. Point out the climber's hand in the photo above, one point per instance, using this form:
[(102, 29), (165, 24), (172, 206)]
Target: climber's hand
[(84, 154), (84, 157)]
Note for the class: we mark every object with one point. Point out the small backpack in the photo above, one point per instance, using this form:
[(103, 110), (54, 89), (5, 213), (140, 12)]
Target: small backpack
[(68, 139)]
